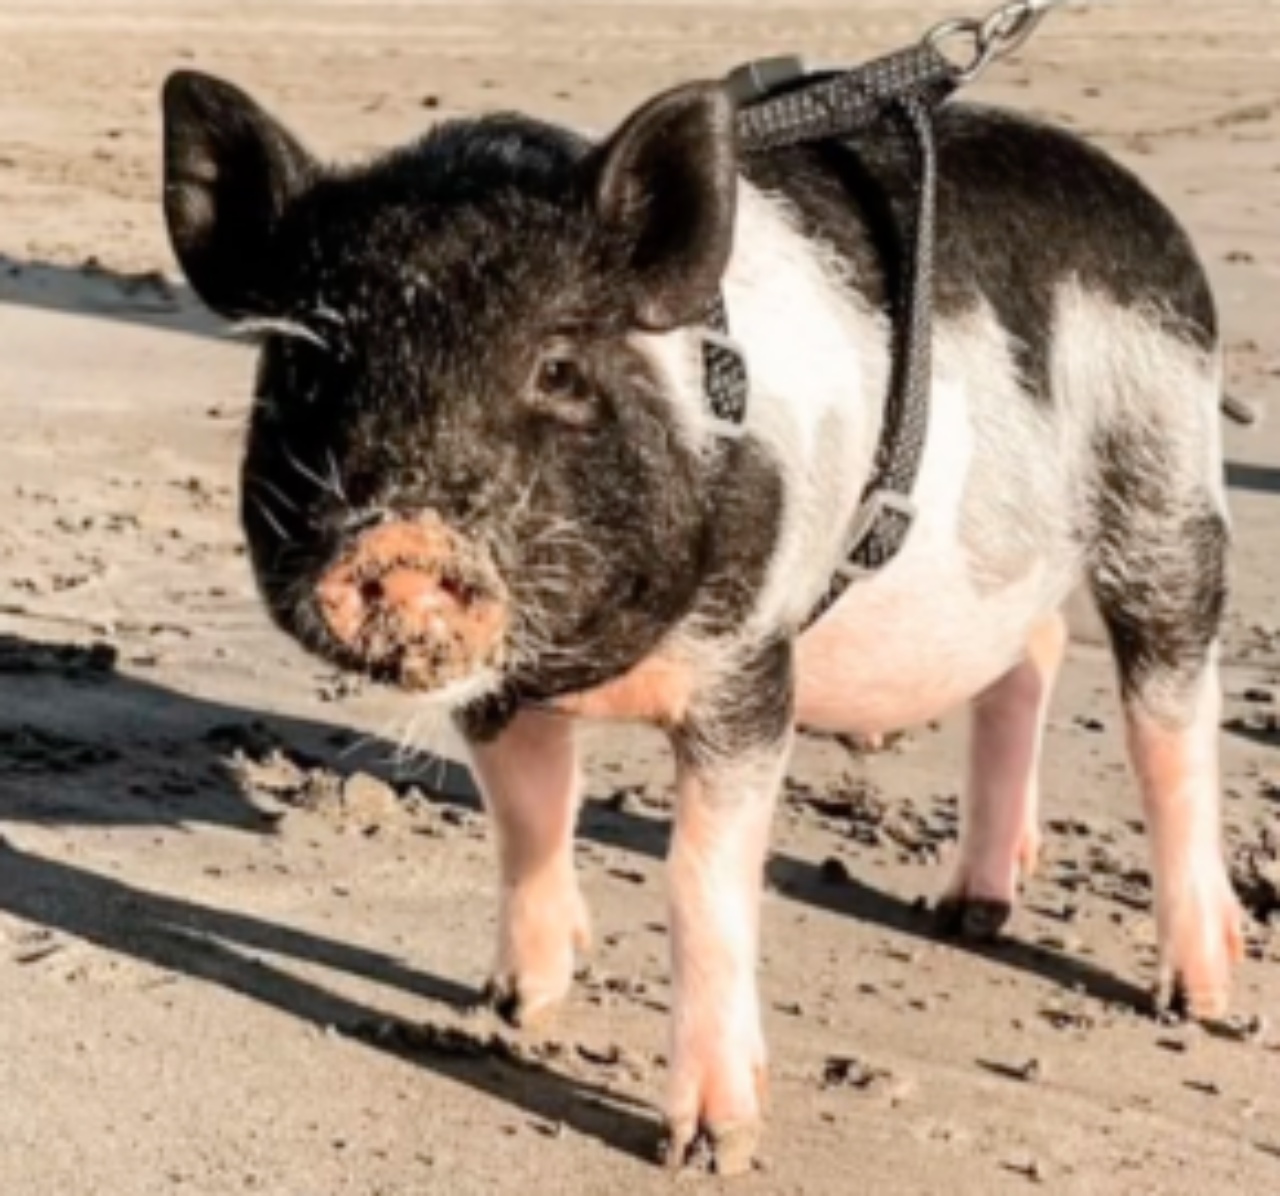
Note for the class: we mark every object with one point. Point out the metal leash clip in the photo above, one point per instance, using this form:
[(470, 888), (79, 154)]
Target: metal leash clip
[(1002, 32)]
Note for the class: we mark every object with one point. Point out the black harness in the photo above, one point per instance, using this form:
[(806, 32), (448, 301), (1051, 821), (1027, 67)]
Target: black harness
[(781, 104)]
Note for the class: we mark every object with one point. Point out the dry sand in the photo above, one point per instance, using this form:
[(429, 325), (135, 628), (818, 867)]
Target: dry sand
[(227, 966)]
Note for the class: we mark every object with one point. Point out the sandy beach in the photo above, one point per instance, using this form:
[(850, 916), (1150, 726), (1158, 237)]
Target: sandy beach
[(242, 930)]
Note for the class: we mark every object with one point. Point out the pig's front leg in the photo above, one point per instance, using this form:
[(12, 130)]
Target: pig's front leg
[(731, 754), (530, 781)]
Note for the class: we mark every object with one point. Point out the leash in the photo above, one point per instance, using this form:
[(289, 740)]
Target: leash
[(781, 104)]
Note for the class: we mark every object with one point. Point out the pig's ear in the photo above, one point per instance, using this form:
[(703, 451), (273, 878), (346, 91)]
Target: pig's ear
[(229, 172), (665, 184)]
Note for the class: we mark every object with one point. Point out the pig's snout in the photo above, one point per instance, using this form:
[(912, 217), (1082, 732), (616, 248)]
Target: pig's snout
[(413, 602)]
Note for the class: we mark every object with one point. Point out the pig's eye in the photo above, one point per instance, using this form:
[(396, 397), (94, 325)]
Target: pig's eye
[(559, 379)]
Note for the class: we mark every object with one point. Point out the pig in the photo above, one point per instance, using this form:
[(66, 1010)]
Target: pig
[(480, 467)]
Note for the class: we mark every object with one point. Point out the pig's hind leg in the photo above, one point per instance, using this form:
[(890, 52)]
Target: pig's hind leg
[(531, 785), (999, 833), (1159, 578)]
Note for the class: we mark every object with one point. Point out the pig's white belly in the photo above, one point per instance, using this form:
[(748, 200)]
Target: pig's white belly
[(910, 646), (991, 555)]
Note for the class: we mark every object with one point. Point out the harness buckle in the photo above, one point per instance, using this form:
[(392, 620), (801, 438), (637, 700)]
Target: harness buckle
[(879, 529), (757, 80)]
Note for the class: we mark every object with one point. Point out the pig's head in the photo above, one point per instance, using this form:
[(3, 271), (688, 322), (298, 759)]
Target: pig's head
[(466, 469)]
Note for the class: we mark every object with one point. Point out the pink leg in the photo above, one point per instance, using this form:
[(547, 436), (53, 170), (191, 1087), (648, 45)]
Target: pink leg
[(716, 871), (1198, 918), (529, 778), (999, 835)]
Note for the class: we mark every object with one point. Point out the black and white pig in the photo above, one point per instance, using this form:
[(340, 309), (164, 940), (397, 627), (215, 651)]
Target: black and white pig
[(480, 466)]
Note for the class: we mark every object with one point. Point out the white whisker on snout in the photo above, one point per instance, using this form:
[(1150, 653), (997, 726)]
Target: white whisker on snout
[(265, 511), (335, 477), (329, 486), (276, 493), (457, 694)]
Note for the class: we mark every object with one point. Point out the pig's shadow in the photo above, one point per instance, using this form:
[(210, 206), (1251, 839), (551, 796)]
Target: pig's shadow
[(227, 949), (146, 298), (69, 717), (1261, 479), (82, 744)]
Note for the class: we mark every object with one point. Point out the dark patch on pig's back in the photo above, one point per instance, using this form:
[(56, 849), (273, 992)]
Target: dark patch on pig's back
[(1023, 207)]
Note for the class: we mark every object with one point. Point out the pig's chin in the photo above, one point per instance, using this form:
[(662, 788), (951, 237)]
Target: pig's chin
[(460, 693), (452, 686), (427, 672)]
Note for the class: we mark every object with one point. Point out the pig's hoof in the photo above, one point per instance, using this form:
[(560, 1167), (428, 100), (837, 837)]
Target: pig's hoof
[(1205, 941), (727, 1150), (715, 1110), (523, 1006), (974, 919), (542, 935)]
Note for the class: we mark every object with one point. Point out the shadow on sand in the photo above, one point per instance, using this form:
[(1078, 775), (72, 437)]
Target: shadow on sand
[(146, 298), (1259, 479), (71, 736)]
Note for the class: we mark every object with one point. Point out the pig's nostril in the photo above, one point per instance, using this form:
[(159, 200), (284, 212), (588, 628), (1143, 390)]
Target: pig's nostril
[(372, 593), (456, 589)]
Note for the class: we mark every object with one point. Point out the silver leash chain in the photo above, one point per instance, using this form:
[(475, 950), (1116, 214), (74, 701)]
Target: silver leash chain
[(972, 44)]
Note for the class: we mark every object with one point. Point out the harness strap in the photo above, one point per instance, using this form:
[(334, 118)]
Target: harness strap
[(724, 368), (782, 105), (886, 510)]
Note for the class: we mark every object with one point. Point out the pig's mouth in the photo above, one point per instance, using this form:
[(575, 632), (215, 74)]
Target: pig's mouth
[(413, 604)]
